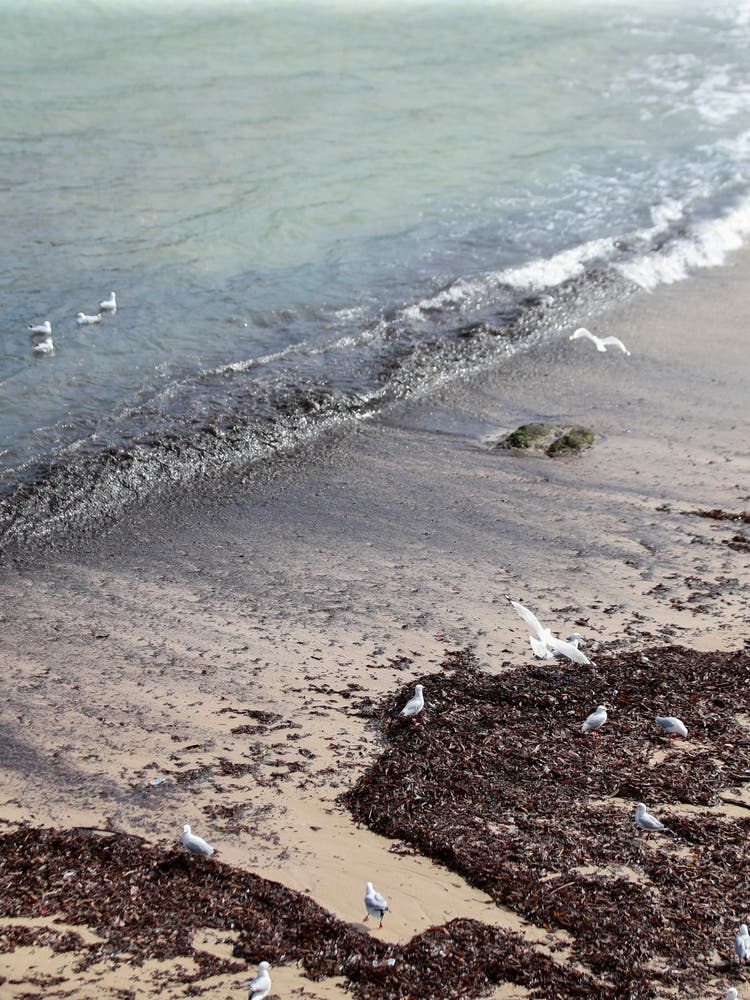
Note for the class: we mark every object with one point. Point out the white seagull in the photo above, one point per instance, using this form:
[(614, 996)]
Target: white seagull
[(45, 327), (645, 821), (731, 994), (375, 904), (544, 644), (110, 304), (595, 721), (742, 944), (260, 986), (672, 725), (195, 845), (415, 704), (44, 347), (83, 320), (601, 342)]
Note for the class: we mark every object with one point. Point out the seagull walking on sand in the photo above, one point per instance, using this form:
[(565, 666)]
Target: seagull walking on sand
[(544, 644), (195, 845), (601, 342), (742, 944), (83, 320), (260, 986), (645, 821), (45, 328), (672, 725), (595, 721), (44, 347), (375, 904), (110, 304), (414, 705)]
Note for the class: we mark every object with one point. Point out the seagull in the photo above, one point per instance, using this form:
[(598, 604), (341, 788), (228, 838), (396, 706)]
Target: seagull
[(645, 821), (742, 944), (543, 643), (601, 342), (195, 845), (595, 721), (375, 904), (83, 320), (110, 304), (731, 994), (45, 327), (44, 347), (672, 725), (415, 704), (574, 640), (260, 986)]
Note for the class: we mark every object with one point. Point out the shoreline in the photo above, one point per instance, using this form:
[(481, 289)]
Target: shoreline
[(347, 576)]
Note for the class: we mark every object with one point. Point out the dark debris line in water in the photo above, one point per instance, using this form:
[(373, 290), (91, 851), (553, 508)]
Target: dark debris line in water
[(496, 781)]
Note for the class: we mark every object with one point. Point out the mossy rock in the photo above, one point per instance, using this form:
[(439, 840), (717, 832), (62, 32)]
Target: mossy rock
[(548, 439)]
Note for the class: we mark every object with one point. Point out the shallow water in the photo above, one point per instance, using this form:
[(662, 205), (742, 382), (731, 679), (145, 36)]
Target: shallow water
[(291, 199)]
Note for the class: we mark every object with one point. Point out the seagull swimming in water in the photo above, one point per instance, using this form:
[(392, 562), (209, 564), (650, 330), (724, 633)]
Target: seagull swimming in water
[(742, 944), (645, 821), (543, 643), (110, 304), (595, 721), (44, 347), (45, 327), (672, 725), (260, 986), (195, 845), (375, 904), (415, 704), (601, 342), (83, 320)]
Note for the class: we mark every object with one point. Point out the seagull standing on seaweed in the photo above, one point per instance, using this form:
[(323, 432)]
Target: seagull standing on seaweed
[(645, 821), (742, 944), (672, 725), (415, 704), (600, 342), (543, 642), (375, 904), (595, 721)]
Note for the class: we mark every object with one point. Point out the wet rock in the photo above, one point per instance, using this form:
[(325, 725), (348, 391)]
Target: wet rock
[(548, 439)]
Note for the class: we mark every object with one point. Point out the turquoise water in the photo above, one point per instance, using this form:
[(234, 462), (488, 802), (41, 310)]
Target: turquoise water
[(260, 179)]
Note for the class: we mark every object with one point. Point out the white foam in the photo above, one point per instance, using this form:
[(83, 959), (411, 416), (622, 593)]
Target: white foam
[(552, 271), (707, 246)]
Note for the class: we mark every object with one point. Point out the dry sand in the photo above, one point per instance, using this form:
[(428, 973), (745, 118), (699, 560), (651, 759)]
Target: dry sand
[(347, 575)]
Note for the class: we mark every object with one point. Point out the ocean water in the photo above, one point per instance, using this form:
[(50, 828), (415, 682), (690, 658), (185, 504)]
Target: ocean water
[(309, 209)]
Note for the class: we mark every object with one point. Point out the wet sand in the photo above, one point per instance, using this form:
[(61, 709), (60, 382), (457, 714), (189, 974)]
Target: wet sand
[(223, 645)]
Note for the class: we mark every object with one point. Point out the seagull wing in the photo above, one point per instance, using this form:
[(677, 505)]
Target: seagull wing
[(531, 620), (583, 332), (568, 649), (541, 649), (615, 342)]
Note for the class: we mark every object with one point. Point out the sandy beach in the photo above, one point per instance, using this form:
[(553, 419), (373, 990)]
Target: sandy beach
[(212, 662)]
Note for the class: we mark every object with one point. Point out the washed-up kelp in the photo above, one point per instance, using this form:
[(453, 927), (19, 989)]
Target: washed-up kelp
[(496, 780), (147, 903)]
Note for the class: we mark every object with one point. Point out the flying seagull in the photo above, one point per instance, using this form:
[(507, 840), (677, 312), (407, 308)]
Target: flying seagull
[(601, 342), (375, 904), (110, 304), (260, 986), (415, 704), (45, 328), (595, 721), (195, 845), (83, 320), (645, 821), (672, 725), (543, 643)]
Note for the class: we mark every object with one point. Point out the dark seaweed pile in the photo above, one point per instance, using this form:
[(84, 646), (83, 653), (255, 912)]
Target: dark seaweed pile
[(148, 903), (496, 780)]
